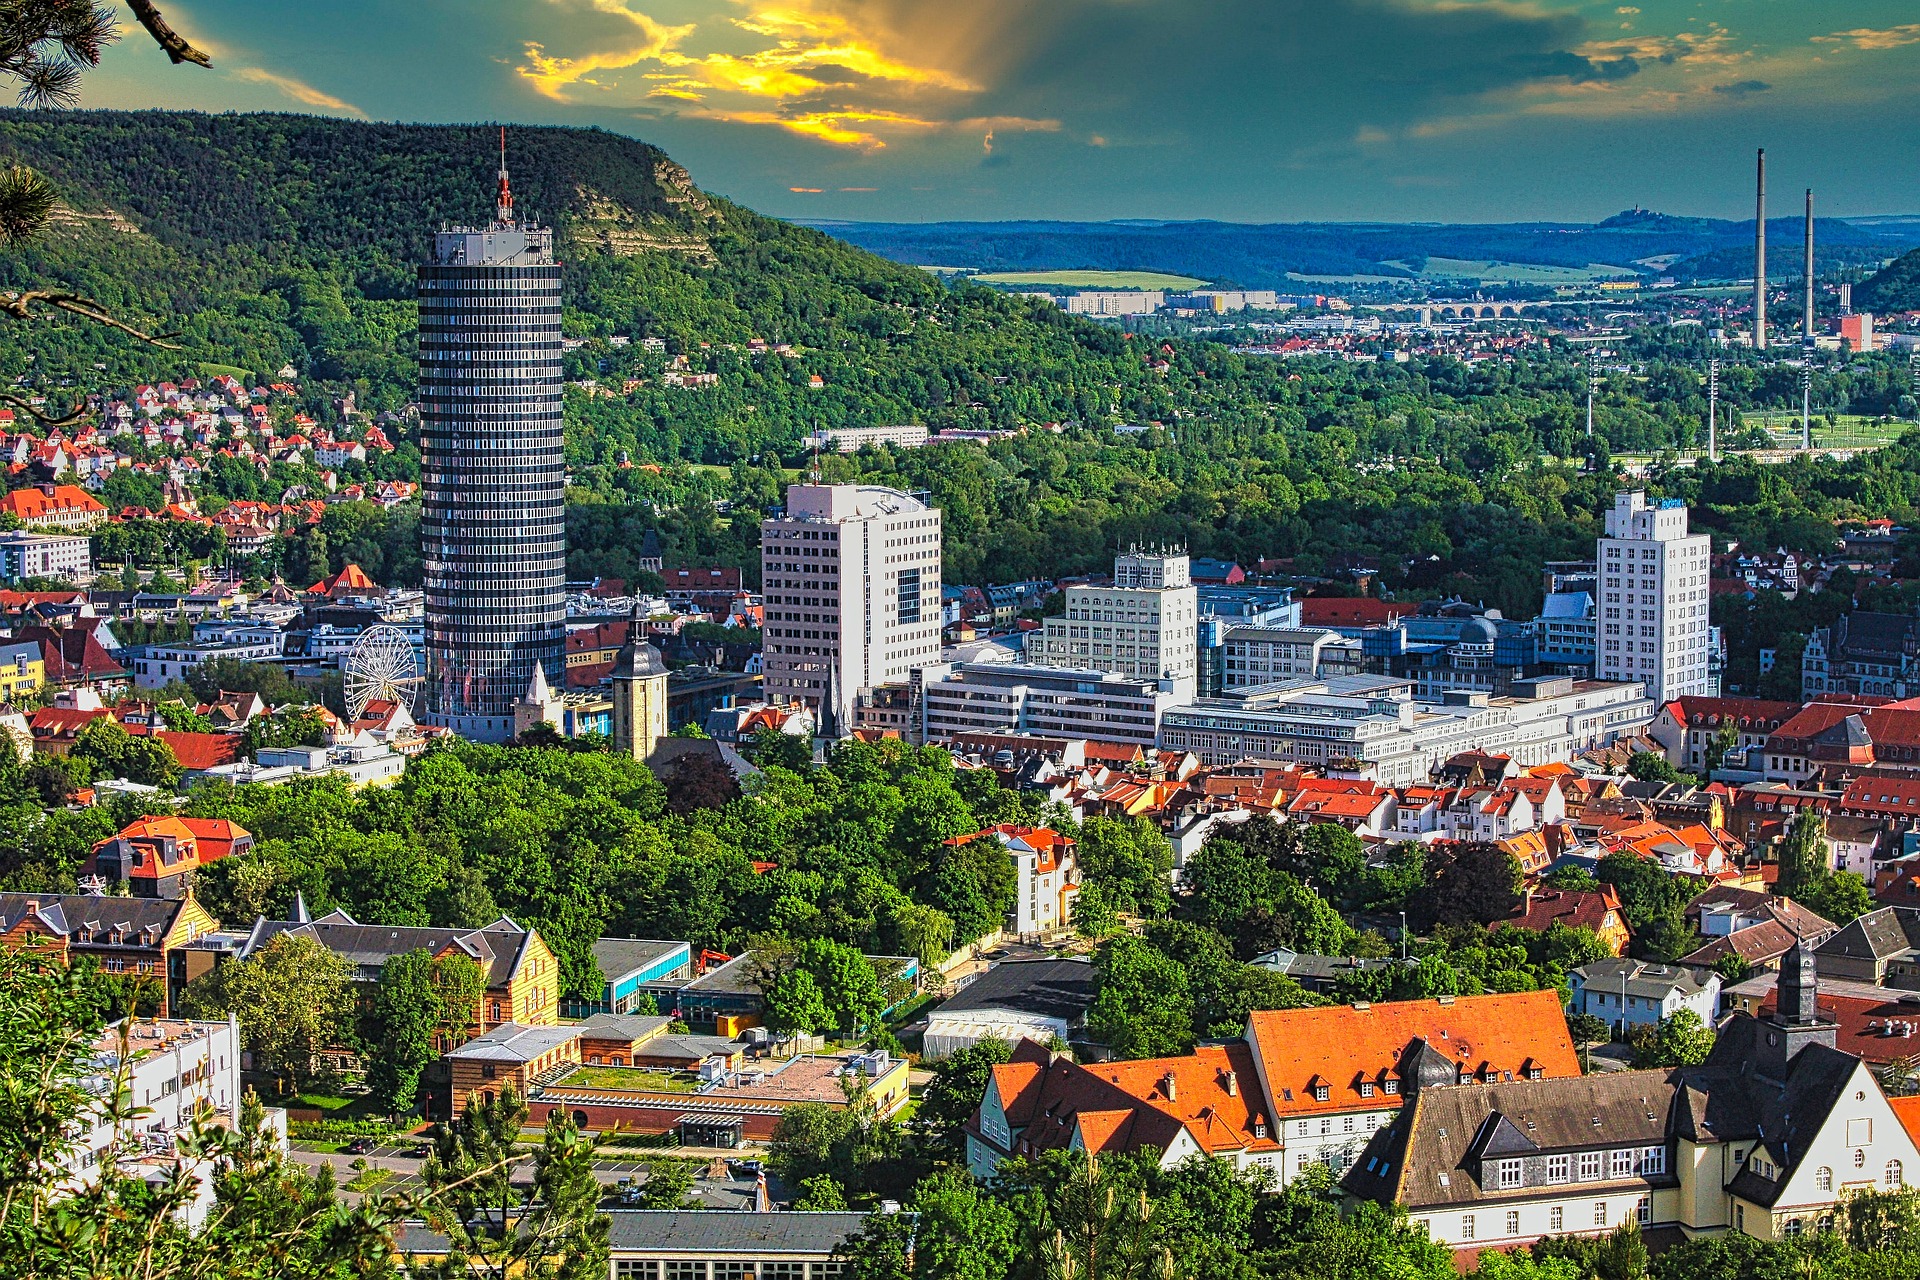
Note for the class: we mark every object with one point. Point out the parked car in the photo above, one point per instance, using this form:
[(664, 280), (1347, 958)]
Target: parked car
[(360, 1146)]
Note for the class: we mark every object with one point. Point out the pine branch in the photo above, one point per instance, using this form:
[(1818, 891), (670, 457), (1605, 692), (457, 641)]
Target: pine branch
[(18, 305), (44, 419), (165, 36)]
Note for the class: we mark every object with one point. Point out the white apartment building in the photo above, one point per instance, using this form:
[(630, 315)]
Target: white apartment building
[(45, 555), (851, 579), (177, 1070), (161, 664), (1115, 302), (1373, 725), (906, 435), (1146, 625), (1262, 655), (1653, 599)]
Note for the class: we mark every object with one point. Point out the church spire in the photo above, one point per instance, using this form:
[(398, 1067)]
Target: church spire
[(1799, 1003)]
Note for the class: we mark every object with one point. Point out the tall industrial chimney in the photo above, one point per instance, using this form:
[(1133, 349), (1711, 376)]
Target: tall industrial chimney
[(1806, 329), (1760, 255)]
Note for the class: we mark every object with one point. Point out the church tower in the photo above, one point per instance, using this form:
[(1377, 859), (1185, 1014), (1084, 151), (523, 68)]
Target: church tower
[(639, 694), (541, 705)]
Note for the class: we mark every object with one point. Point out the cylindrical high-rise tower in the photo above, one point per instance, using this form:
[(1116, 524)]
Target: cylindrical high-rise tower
[(493, 470), (1760, 254)]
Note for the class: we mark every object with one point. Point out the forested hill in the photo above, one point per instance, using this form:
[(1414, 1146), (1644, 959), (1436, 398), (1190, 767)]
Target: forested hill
[(274, 239)]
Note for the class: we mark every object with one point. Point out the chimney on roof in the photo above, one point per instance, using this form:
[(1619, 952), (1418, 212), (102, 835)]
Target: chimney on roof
[(1233, 1084), (1169, 1085)]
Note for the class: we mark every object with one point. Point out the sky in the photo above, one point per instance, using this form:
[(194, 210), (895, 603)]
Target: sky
[(1241, 110)]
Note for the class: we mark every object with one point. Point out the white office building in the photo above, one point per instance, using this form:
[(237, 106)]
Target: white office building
[(851, 579), (976, 698), (160, 664), (1653, 599), (1144, 626), (1373, 726)]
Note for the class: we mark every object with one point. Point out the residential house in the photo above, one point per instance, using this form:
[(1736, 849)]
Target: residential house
[(1637, 993), (144, 937), (1048, 875), (160, 857), (1765, 1138), (23, 669), (1596, 910), (1881, 947), (523, 978)]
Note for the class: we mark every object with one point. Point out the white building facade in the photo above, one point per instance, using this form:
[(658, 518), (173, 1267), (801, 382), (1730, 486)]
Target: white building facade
[(851, 579), (1653, 599), (1374, 726), (1145, 625)]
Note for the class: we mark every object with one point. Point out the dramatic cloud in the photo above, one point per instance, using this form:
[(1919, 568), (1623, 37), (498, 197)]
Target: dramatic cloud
[(298, 90), (1869, 38), (1251, 109)]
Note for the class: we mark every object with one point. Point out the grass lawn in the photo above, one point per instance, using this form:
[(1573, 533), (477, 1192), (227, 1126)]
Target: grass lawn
[(1091, 279), (335, 1107), (636, 1078)]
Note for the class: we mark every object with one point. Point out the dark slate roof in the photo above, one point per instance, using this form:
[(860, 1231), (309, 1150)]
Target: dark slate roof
[(1725, 1099), (706, 1232), (1876, 935), (1863, 636), (496, 949), (1046, 988), (1446, 1130), (81, 916), (1784, 1115)]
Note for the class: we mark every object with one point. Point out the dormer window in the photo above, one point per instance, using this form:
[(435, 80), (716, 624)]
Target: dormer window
[(1390, 1086), (1366, 1088), (1321, 1093)]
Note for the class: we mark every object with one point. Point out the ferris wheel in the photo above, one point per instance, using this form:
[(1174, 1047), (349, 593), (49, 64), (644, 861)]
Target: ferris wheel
[(380, 666)]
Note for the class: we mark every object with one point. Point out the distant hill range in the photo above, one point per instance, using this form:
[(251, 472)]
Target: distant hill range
[(1277, 255), (1895, 287)]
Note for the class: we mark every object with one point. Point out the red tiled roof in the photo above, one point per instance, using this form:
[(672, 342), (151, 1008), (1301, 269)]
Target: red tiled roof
[(1862, 1031), (197, 751), (1881, 796), (351, 578), (1575, 908)]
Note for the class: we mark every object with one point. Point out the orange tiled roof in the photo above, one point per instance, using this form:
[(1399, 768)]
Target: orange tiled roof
[(30, 505), (1346, 1046)]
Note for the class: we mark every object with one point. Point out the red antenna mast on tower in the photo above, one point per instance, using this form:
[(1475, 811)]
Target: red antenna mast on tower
[(503, 202)]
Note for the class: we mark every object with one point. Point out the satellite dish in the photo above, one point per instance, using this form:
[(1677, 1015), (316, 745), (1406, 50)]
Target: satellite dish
[(381, 666)]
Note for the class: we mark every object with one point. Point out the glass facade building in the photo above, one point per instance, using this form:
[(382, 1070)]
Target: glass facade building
[(493, 473)]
